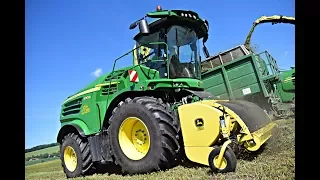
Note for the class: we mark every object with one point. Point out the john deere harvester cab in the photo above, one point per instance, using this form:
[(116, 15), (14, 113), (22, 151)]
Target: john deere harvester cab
[(171, 43), (150, 115), (172, 46)]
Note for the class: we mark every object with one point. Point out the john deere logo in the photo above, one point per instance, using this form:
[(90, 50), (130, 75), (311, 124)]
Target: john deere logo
[(85, 109), (290, 79), (294, 78), (199, 123)]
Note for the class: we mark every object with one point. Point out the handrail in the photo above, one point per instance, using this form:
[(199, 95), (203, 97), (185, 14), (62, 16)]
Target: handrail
[(271, 62), (115, 61)]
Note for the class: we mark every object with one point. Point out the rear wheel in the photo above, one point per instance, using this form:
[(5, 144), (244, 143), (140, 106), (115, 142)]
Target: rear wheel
[(75, 156), (143, 135)]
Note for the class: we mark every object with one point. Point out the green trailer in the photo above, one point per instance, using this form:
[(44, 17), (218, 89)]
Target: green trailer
[(238, 74)]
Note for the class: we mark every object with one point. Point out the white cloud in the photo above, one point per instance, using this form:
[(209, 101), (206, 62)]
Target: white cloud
[(97, 72)]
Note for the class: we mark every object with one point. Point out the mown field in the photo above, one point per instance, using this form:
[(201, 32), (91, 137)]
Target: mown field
[(277, 161), (28, 163), (49, 150)]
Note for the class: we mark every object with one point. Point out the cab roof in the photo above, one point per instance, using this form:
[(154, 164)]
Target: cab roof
[(167, 18)]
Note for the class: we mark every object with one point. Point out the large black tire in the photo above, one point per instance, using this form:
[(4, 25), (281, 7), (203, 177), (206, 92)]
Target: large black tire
[(161, 127), (82, 152)]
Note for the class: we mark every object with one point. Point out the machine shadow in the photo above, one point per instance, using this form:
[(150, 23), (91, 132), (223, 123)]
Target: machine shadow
[(109, 169), (241, 155), (250, 156), (189, 164)]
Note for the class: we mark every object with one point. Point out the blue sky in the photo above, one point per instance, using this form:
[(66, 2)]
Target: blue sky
[(69, 42)]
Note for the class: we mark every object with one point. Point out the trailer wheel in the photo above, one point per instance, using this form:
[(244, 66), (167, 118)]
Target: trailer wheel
[(228, 164), (142, 135), (75, 156)]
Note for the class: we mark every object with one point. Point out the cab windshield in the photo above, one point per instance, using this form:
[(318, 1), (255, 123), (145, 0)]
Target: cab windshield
[(183, 53), (174, 49)]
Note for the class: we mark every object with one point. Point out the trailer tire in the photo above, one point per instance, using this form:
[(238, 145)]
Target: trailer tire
[(153, 128), (229, 161), (74, 148)]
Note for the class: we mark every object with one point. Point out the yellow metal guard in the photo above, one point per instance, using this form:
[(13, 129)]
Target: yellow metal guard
[(202, 130)]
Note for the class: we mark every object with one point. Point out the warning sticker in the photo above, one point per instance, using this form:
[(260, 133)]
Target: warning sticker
[(246, 91)]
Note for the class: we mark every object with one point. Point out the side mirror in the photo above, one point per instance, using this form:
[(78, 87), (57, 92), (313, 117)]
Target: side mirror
[(205, 51), (143, 26), (133, 25)]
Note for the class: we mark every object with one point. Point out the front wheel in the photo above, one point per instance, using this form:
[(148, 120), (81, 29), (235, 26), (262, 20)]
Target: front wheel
[(228, 164), (143, 135)]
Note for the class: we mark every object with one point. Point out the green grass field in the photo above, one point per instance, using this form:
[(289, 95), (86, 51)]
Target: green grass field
[(28, 163), (49, 150), (277, 161)]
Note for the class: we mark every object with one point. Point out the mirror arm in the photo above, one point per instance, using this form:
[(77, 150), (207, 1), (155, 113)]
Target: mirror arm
[(205, 50)]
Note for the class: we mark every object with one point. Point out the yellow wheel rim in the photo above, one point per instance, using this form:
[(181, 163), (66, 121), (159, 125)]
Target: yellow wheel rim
[(134, 138), (223, 164), (70, 158)]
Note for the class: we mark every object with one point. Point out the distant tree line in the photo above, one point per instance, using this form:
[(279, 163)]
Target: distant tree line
[(43, 156), (43, 146)]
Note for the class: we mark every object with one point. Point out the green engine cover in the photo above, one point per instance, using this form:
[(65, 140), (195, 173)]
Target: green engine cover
[(287, 85), (288, 78)]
